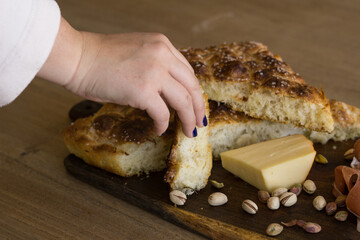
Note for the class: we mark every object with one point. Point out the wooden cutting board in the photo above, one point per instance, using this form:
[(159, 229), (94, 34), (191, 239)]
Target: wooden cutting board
[(229, 221)]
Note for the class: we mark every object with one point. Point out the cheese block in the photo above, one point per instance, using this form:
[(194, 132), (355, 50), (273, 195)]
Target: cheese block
[(281, 162)]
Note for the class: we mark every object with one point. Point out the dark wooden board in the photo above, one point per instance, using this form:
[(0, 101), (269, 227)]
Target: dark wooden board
[(228, 221)]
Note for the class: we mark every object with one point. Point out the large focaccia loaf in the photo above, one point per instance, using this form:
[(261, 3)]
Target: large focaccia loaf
[(249, 78), (190, 160), (119, 139), (230, 129)]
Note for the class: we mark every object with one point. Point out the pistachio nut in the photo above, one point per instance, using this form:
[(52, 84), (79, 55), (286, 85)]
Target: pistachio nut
[(249, 206), (188, 191), (349, 154), (216, 184), (263, 196), (217, 199), (273, 203), (341, 201), (278, 192), (309, 186), (288, 199), (300, 223), (297, 188), (320, 159), (312, 227), (330, 208), (274, 229), (319, 203), (177, 197), (291, 223), (341, 216)]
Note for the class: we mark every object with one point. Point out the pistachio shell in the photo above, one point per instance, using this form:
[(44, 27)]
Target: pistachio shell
[(309, 186), (249, 206), (274, 229), (319, 203), (217, 199), (177, 197), (288, 199)]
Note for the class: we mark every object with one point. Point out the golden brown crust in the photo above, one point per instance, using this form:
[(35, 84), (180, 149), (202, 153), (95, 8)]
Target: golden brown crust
[(248, 77), (250, 62), (105, 139), (345, 115)]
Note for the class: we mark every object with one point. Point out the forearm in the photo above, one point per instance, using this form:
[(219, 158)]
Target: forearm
[(65, 55)]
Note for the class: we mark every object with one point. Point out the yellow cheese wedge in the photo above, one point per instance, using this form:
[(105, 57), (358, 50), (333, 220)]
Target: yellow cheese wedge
[(281, 162)]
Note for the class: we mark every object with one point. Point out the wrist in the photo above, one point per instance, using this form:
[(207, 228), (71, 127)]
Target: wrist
[(64, 57)]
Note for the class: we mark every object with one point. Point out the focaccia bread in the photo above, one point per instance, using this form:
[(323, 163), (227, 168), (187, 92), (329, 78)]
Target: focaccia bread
[(249, 78), (230, 129), (119, 139), (190, 160)]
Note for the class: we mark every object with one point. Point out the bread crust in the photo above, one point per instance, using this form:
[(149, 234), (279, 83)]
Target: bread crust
[(250, 68), (111, 137)]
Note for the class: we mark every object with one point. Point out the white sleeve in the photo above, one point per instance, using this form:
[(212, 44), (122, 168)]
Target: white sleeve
[(28, 29)]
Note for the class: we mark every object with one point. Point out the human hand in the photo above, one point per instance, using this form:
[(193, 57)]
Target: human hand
[(143, 70)]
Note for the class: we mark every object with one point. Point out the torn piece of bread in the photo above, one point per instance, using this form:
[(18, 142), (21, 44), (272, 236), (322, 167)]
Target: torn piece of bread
[(249, 78), (230, 129), (190, 159), (119, 139), (347, 124)]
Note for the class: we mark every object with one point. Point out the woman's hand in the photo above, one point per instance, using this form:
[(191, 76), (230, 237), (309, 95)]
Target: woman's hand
[(143, 70)]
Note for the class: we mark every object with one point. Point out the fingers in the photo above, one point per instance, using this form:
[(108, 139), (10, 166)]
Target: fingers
[(186, 78), (180, 100), (159, 112), (173, 50)]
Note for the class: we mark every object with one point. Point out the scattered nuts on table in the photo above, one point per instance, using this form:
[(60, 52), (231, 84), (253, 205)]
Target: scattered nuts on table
[(273, 203), (278, 192), (217, 199), (319, 203), (177, 197), (330, 208), (309, 186), (217, 184), (297, 188), (349, 154), (263, 196), (288, 199), (341, 216), (274, 229), (188, 191), (341, 201), (309, 227), (249, 206)]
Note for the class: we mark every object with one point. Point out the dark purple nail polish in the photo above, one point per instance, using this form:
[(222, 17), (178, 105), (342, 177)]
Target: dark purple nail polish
[(194, 132), (205, 122), (163, 133)]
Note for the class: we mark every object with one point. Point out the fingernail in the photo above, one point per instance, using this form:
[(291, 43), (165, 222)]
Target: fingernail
[(163, 133), (205, 122), (195, 132)]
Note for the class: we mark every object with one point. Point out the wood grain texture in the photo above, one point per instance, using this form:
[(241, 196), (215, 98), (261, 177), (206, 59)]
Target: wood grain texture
[(39, 200)]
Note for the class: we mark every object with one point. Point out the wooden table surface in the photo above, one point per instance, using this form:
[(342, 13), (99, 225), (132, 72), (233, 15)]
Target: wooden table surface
[(40, 200)]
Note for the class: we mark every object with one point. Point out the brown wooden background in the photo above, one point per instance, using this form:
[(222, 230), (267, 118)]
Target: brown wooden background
[(38, 199)]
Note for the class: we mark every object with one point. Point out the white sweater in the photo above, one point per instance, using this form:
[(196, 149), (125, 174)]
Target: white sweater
[(28, 29)]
